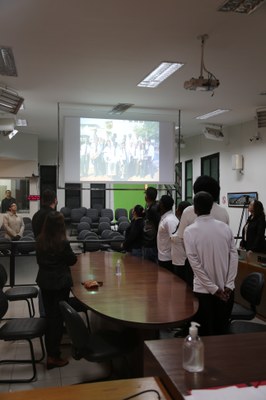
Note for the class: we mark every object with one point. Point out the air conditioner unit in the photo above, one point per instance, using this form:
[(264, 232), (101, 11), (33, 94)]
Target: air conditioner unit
[(261, 119), (213, 133)]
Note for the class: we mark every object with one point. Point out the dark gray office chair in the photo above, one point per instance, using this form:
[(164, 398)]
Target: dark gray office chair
[(21, 329), (120, 212), (251, 290), (17, 293), (101, 346)]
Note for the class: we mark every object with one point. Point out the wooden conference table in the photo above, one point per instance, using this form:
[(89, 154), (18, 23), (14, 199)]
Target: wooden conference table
[(229, 360), (112, 390), (145, 296)]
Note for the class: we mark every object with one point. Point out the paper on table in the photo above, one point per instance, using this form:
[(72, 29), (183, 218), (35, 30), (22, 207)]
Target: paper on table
[(230, 393)]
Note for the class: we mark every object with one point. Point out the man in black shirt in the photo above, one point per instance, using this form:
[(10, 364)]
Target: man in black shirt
[(151, 222), (48, 203), (7, 201)]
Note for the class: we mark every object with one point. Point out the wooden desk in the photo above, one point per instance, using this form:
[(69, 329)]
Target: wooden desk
[(112, 390), (145, 296), (229, 360)]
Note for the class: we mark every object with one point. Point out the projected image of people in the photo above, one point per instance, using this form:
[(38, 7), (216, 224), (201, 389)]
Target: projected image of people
[(119, 150)]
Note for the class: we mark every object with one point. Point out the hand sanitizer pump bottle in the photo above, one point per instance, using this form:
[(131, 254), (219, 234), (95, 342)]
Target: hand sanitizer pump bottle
[(193, 350)]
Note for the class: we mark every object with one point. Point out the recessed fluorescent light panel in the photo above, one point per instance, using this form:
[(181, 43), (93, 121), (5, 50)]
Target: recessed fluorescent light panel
[(241, 6), (7, 62), (13, 133), (159, 74), (212, 114)]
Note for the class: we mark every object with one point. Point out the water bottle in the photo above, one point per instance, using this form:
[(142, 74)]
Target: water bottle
[(118, 267), (193, 350)]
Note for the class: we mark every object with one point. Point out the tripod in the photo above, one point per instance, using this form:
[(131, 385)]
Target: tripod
[(244, 213)]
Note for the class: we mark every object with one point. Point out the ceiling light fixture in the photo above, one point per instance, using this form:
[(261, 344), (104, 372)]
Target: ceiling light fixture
[(241, 6), (159, 74), (205, 84), (13, 133), (212, 114), (21, 122), (10, 101), (7, 62)]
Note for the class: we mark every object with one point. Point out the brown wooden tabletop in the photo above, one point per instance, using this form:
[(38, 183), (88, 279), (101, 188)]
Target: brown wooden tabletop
[(112, 390), (229, 360), (145, 295)]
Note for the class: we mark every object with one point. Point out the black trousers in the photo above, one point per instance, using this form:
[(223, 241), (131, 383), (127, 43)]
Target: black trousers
[(54, 320), (213, 314)]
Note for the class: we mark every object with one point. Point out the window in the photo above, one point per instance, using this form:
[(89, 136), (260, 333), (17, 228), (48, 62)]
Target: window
[(188, 181), (19, 190)]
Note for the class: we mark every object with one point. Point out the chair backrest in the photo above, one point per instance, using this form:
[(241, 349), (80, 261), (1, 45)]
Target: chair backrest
[(82, 234), (104, 219), (83, 225), (103, 226), (66, 211), (77, 213), (3, 276), (3, 304), (107, 212), (120, 212), (93, 213), (122, 227), (76, 329), (86, 219), (251, 288)]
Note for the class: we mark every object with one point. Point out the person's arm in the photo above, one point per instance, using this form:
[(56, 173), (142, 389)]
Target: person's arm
[(8, 230), (196, 265), (69, 256), (259, 235), (233, 265), (21, 228)]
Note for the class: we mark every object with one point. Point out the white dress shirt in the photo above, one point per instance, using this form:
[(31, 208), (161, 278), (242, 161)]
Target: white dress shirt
[(167, 226), (212, 253)]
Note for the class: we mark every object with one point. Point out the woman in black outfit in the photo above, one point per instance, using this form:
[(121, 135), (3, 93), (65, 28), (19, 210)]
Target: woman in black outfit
[(133, 236), (54, 256), (253, 232)]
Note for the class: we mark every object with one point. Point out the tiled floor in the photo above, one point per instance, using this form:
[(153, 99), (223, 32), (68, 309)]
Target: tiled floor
[(74, 372)]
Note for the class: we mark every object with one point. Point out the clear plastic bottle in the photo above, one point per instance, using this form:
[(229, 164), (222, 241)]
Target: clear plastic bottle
[(193, 350), (118, 267)]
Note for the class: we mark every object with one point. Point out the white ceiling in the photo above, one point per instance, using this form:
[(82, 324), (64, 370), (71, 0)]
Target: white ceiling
[(96, 51)]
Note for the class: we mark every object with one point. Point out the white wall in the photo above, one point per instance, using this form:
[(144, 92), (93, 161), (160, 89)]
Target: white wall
[(236, 141)]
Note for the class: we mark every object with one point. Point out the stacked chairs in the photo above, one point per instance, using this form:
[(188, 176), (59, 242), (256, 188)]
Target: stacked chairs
[(75, 216), (122, 227), (66, 211), (93, 213)]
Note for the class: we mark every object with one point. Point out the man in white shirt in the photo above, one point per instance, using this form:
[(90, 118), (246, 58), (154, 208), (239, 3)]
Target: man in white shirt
[(213, 256), (206, 184), (167, 226)]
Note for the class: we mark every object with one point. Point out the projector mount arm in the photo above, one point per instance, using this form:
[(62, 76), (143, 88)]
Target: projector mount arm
[(203, 38)]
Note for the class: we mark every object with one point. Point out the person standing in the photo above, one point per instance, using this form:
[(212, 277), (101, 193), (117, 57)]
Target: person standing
[(133, 235), (166, 229), (13, 223), (210, 185), (151, 222), (253, 233), (212, 253), (54, 257), (48, 204), (7, 201)]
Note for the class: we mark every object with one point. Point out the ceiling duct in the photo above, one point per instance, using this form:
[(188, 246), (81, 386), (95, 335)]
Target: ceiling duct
[(213, 133), (205, 84)]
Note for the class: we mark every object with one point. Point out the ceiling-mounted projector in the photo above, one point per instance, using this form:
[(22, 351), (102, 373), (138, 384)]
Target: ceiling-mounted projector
[(201, 84), (205, 84), (213, 133)]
